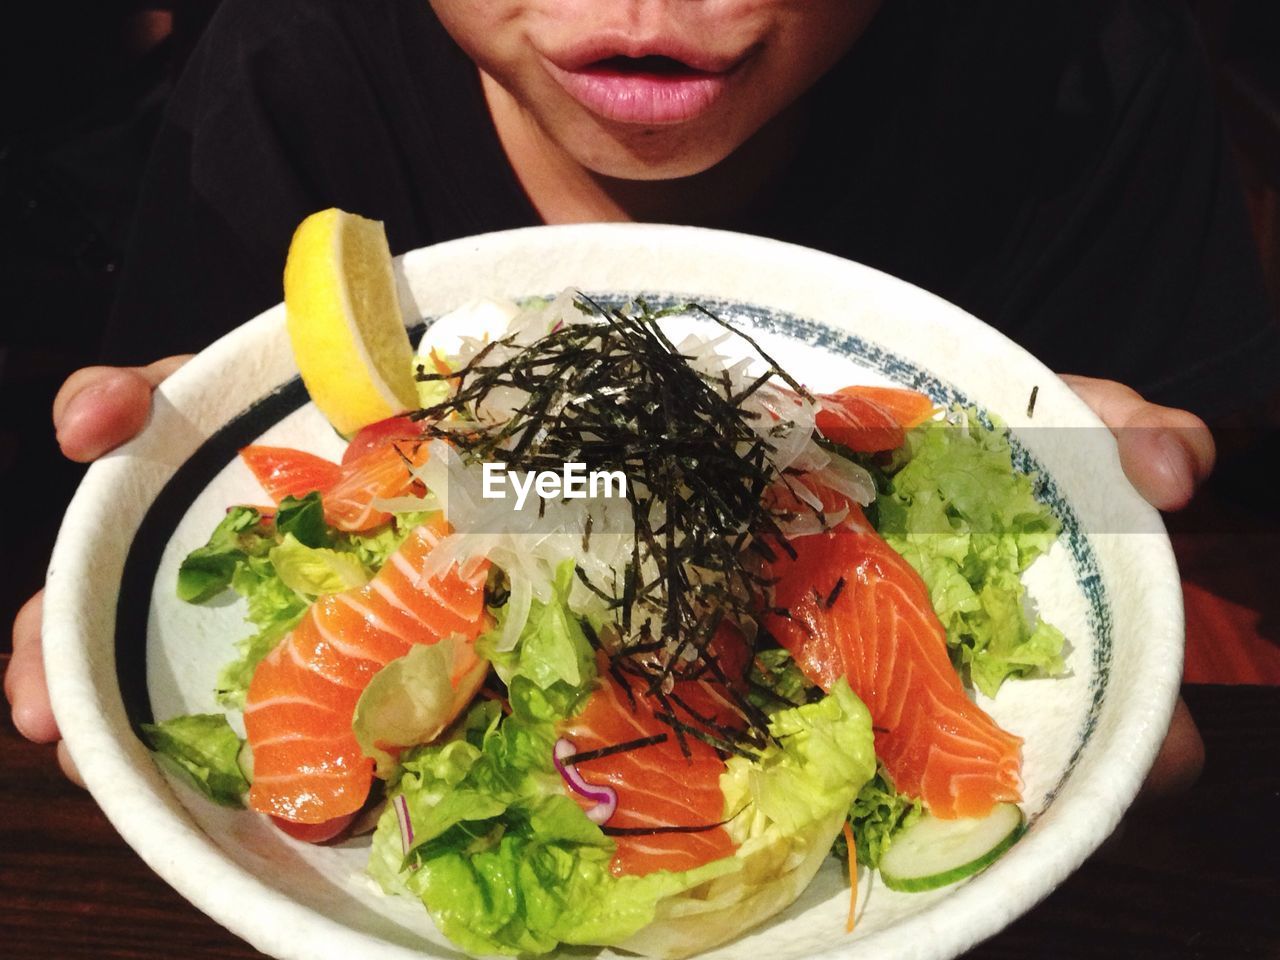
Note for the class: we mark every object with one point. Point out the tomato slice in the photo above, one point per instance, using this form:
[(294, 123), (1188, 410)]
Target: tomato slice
[(377, 435), (315, 832)]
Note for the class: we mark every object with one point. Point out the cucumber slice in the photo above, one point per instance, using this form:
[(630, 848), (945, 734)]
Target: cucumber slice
[(933, 853)]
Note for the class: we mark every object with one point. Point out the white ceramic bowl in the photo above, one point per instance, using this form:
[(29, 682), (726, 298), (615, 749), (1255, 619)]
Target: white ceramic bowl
[(1110, 583)]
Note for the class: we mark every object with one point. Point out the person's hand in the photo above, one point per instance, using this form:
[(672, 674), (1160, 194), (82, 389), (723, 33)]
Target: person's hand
[(1166, 454), (97, 409)]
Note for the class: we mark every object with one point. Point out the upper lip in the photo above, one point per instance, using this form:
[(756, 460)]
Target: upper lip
[(590, 50)]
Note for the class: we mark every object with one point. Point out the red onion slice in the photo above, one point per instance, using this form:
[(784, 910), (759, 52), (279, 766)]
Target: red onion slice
[(605, 798), (406, 823)]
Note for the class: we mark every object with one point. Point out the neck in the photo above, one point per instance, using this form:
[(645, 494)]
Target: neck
[(564, 191)]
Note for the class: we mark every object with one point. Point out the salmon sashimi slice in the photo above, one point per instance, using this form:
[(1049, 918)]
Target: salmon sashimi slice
[(380, 474), (289, 473), (870, 419), (307, 765), (347, 490), (909, 407), (855, 608), (658, 786)]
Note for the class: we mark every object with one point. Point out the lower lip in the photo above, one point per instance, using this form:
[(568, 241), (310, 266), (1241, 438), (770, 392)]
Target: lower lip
[(642, 98)]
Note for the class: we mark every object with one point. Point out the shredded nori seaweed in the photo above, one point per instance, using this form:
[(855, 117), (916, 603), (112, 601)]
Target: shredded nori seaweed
[(614, 393), (586, 756)]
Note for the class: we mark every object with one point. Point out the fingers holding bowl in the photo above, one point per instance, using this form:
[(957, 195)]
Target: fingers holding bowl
[(96, 410), (24, 681), (1166, 453), (99, 408)]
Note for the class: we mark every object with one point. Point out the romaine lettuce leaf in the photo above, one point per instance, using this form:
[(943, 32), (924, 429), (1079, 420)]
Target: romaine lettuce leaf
[(778, 682), (373, 547), (970, 524), (784, 810), (552, 665), (409, 701), (303, 517), (205, 751), (504, 861), (545, 880), (274, 608), (315, 571), (821, 756)]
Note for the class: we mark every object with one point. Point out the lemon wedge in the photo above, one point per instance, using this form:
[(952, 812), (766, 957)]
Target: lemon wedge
[(344, 320)]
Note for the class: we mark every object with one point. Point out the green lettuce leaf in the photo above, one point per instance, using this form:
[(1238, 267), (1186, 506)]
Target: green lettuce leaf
[(316, 571), (409, 701), (207, 571), (542, 882), (821, 756), (274, 608), (507, 863), (503, 860), (303, 518), (784, 810), (205, 751), (374, 547), (970, 525), (552, 666), (876, 816), (777, 681)]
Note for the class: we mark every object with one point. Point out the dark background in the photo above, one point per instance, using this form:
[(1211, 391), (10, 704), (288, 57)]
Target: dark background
[(82, 94)]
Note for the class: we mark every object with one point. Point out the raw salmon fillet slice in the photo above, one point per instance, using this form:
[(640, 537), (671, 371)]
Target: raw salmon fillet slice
[(347, 490), (657, 786), (857, 609), (307, 765), (289, 473), (870, 419), (909, 407)]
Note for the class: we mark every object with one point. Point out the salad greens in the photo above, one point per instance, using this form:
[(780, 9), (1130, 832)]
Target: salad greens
[(878, 813), (970, 525), (553, 654), (280, 565), (478, 824), (506, 863), (204, 750), (410, 700), (820, 756), (502, 858)]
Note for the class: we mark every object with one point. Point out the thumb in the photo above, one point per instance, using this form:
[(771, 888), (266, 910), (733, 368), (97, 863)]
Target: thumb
[(99, 408), (1166, 453)]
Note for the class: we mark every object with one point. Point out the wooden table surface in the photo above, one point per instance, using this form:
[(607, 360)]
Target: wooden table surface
[(1195, 876)]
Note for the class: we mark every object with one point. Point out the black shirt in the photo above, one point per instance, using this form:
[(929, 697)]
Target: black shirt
[(1055, 168)]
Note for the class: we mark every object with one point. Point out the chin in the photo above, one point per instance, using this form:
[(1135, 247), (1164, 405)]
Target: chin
[(652, 154)]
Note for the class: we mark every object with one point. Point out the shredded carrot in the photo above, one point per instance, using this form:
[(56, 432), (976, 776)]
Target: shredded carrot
[(441, 366), (853, 878)]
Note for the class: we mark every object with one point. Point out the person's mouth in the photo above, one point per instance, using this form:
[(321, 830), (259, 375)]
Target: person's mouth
[(648, 87)]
